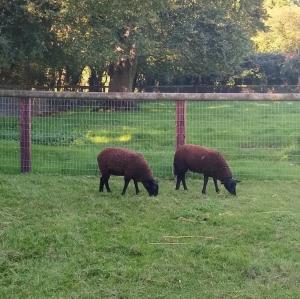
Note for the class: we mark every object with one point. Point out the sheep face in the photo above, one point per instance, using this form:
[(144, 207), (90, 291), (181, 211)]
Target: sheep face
[(230, 185), (152, 187)]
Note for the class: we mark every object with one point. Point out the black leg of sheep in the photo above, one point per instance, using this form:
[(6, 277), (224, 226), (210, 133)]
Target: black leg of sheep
[(106, 184), (101, 184), (183, 182), (178, 182), (137, 191), (126, 182), (181, 178), (104, 181), (205, 180), (216, 185)]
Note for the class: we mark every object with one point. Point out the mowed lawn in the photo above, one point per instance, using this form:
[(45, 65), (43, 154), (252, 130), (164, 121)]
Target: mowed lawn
[(61, 238)]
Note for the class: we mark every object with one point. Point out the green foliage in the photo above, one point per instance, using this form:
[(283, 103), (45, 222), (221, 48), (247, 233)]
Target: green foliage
[(205, 38), (280, 3), (27, 43), (261, 68), (291, 69), (283, 31), (61, 238), (42, 38), (267, 69)]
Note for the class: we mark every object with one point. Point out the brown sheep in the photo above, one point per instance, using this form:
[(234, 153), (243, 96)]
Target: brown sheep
[(203, 160), (130, 164)]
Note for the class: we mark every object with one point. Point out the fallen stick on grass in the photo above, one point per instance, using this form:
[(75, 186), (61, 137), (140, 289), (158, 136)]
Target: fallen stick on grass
[(187, 219), (268, 212), (181, 237), (169, 243)]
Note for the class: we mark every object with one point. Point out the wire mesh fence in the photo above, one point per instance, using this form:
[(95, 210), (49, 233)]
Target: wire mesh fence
[(260, 139)]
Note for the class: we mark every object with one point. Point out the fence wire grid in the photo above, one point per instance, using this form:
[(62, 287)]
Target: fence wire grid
[(260, 140)]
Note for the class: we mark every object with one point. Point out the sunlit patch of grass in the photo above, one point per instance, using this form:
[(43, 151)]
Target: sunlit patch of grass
[(98, 139), (124, 138), (95, 139)]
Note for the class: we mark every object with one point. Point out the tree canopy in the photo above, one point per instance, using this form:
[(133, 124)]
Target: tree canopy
[(47, 40), (283, 34)]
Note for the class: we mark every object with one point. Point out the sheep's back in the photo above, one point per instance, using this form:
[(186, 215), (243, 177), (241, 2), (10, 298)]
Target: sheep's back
[(194, 158), (123, 162), (138, 169), (202, 160), (113, 160)]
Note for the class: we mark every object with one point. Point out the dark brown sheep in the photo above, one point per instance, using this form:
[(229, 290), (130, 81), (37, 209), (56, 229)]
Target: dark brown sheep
[(203, 160), (130, 164)]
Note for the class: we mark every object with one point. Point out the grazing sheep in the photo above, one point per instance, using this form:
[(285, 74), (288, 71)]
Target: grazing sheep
[(203, 160), (131, 165)]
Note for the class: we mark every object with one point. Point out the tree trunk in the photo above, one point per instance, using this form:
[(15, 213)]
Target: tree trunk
[(122, 78), (122, 75), (94, 81)]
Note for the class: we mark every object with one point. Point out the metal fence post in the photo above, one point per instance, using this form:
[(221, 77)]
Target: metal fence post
[(180, 123), (25, 116)]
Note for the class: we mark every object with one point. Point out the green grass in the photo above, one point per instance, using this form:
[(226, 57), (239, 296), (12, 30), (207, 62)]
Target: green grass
[(259, 140), (61, 238)]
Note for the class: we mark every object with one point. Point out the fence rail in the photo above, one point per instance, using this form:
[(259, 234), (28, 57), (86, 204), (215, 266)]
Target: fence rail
[(149, 96), (204, 88), (46, 131)]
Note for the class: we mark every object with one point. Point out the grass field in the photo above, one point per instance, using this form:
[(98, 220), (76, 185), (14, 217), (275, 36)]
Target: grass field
[(260, 140), (61, 238)]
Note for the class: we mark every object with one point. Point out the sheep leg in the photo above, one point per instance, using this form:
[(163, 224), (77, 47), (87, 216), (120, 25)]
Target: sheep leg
[(137, 191), (106, 178), (126, 182), (178, 181), (101, 184), (205, 180), (181, 178), (216, 185), (183, 182)]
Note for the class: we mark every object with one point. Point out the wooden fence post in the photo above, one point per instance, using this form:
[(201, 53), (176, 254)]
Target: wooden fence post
[(25, 115), (180, 123)]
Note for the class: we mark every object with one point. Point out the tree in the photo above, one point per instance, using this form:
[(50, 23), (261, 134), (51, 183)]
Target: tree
[(291, 69), (127, 38), (269, 4), (27, 44), (260, 69), (212, 37), (110, 36), (203, 38), (283, 34)]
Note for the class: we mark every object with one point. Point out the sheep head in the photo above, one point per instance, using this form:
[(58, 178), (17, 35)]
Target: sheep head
[(152, 187), (230, 185)]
